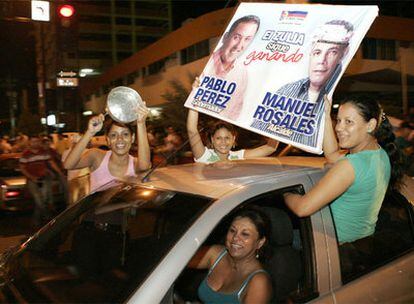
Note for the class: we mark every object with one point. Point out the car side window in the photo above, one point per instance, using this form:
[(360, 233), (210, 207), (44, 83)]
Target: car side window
[(393, 237), (288, 264)]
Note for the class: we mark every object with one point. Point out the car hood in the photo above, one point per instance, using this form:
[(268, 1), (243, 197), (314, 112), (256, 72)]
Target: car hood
[(14, 181)]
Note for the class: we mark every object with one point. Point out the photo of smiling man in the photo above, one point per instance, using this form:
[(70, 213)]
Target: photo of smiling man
[(223, 63), (330, 44)]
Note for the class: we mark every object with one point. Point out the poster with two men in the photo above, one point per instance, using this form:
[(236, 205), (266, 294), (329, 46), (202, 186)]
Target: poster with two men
[(273, 65)]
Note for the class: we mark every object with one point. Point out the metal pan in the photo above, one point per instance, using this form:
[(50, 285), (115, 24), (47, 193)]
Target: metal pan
[(121, 104)]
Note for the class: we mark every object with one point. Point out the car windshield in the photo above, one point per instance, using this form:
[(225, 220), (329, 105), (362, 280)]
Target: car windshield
[(10, 167), (102, 249)]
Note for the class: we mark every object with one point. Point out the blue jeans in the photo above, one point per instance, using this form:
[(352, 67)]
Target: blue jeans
[(41, 192)]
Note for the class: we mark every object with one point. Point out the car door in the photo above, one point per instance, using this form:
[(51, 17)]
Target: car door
[(383, 264)]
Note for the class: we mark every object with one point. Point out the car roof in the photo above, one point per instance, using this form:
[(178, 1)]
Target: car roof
[(215, 180)]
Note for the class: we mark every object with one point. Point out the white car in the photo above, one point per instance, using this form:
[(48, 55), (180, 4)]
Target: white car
[(131, 242)]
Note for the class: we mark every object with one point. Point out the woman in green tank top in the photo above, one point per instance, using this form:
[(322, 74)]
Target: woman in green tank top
[(365, 163)]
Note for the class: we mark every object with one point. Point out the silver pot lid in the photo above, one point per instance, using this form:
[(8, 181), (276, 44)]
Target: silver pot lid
[(121, 104)]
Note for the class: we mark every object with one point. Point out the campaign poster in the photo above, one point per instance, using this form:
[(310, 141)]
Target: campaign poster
[(274, 63)]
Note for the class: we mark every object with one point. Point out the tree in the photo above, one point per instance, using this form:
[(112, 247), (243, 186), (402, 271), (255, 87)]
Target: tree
[(174, 113)]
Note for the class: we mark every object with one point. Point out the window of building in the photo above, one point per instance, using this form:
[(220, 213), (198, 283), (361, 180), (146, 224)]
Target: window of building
[(95, 19), (156, 67), (379, 49), (123, 55), (93, 54), (95, 36), (130, 79), (194, 52), (123, 20), (123, 38)]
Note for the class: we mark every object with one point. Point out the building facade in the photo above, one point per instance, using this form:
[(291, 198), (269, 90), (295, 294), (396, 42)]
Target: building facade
[(99, 35)]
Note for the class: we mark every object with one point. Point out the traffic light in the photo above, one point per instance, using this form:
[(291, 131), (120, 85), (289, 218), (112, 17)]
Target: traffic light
[(67, 27), (66, 11)]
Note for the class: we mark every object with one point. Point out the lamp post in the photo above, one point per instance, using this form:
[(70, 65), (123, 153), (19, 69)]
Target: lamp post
[(41, 12)]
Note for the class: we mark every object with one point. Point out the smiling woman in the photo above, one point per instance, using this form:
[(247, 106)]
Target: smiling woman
[(106, 166), (236, 274), (357, 183)]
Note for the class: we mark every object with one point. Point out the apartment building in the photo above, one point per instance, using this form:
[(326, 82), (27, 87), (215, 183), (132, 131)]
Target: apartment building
[(98, 36)]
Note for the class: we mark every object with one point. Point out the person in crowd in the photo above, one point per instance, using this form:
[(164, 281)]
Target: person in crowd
[(236, 274), (172, 143), (116, 163), (402, 133), (224, 63), (38, 166), (405, 144), (59, 175), (78, 179), (330, 44), (5, 147), (21, 143), (62, 144), (357, 183), (223, 140), (152, 140)]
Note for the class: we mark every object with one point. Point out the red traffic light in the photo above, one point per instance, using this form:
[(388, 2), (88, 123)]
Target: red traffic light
[(66, 11)]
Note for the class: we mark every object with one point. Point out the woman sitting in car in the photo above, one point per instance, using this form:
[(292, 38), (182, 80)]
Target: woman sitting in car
[(236, 274)]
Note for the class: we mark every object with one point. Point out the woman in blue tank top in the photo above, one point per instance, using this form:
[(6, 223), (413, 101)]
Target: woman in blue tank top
[(366, 162), (235, 273)]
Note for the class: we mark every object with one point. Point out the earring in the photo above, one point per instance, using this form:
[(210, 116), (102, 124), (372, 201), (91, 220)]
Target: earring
[(257, 253)]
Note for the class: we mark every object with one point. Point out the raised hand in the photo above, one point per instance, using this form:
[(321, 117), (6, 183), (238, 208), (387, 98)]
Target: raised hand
[(95, 124), (272, 143), (196, 82), (142, 113)]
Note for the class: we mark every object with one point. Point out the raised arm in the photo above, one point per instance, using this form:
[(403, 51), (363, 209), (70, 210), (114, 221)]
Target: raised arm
[(144, 153), (197, 146), (264, 150), (205, 257), (194, 137), (330, 144), (75, 159), (335, 182)]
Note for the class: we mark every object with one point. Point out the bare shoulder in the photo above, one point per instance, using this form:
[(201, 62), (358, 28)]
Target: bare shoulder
[(259, 289), (343, 165), (214, 251), (261, 278)]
